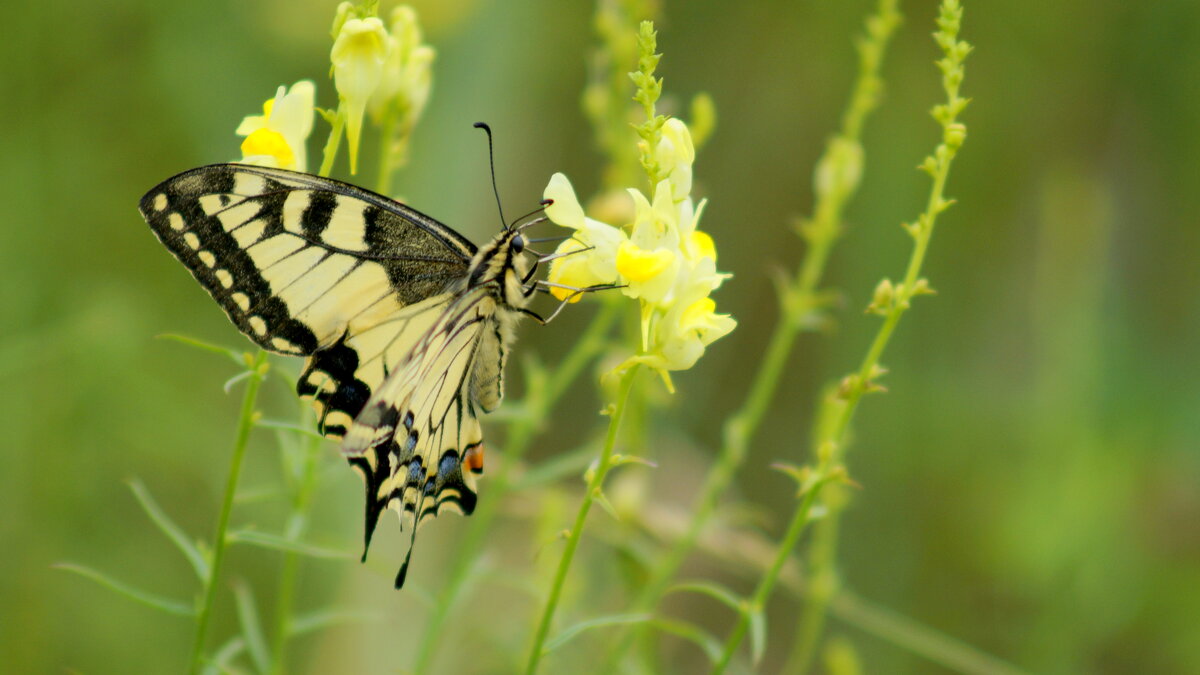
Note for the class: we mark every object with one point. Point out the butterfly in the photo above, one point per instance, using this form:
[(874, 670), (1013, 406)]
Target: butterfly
[(405, 324)]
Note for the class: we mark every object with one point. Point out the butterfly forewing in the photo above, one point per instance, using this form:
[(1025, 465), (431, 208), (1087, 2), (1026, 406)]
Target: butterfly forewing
[(303, 264)]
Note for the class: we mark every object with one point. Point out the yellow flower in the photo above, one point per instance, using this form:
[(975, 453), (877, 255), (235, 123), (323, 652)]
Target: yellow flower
[(637, 265), (277, 137), (581, 268), (650, 264), (675, 154), (406, 77), (665, 261), (358, 55), (686, 330)]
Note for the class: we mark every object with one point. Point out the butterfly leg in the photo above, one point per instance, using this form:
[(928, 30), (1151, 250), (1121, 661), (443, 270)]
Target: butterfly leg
[(576, 291), (534, 315)]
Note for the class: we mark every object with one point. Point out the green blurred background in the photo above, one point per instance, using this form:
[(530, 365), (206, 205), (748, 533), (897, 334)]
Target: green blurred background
[(1030, 483)]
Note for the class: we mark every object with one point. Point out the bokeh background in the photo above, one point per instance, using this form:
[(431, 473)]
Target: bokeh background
[(1029, 483)]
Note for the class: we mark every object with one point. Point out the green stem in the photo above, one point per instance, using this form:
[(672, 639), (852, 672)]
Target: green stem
[(902, 631), (801, 299), (524, 429), (763, 591), (294, 531), (841, 407), (594, 486), (332, 143), (258, 368), (387, 162)]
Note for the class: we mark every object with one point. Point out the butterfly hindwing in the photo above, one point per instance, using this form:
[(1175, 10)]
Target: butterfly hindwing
[(416, 434)]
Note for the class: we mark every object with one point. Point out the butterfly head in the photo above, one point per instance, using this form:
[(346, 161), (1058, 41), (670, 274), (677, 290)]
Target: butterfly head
[(501, 263)]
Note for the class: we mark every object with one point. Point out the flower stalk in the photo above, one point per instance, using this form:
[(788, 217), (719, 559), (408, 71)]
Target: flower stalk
[(257, 365), (538, 404), (841, 404), (616, 412), (297, 524), (836, 182)]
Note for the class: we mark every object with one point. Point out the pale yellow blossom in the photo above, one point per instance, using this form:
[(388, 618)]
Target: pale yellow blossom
[(358, 55), (406, 77), (675, 155), (277, 137), (650, 261), (661, 258), (576, 267)]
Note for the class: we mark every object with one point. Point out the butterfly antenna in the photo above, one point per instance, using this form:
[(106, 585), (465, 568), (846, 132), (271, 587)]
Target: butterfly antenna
[(541, 207), (492, 163)]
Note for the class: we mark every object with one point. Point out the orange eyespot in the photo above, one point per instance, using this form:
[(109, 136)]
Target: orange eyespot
[(473, 459)]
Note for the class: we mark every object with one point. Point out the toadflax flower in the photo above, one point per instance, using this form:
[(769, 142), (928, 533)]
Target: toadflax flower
[(277, 137), (662, 259), (358, 55), (573, 269), (405, 82)]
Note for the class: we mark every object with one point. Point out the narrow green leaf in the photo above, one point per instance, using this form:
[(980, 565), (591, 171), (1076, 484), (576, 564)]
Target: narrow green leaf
[(599, 622), (169, 528), (710, 645), (324, 618), (149, 599), (233, 354), (274, 541), (289, 426), (563, 465), (222, 660), (247, 612), (228, 386), (713, 590), (602, 500), (758, 636), (254, 494), (618, 460)]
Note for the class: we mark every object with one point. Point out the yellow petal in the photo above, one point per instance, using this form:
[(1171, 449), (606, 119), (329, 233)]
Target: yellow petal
[(570, 270), (269, 142), (565, 210), (697, 313), (637, 264), (704, 244)]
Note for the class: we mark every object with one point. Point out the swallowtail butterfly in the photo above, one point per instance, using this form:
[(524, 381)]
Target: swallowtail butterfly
[(405, 324)]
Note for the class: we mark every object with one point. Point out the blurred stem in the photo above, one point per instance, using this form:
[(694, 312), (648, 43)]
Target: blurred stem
[(257, 365), (830, 443), (293, 532), (902, 631), (387, 163), (880, 622), (393, 149), (595, 484), (331, 145), (763, 591), (842, 164), (538, 404), (605, 98)]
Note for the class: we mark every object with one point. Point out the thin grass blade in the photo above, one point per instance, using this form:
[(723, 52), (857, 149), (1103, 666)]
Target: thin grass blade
[(247, 611), (174, 532), (146, 598)]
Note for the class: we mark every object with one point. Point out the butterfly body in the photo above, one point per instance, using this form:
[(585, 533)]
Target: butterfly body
[(405, 324)]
